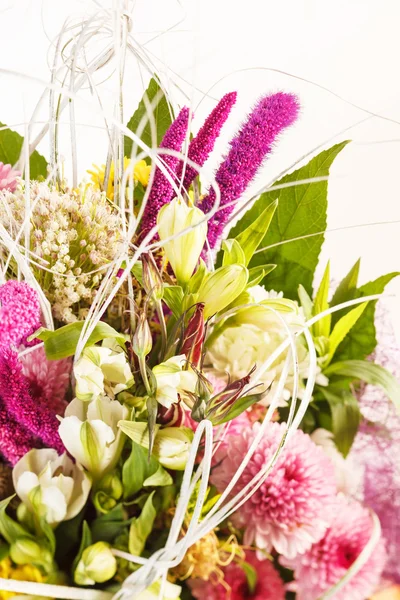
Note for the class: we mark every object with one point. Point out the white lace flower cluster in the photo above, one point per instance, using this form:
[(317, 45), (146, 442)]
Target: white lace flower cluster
[(74, 234)]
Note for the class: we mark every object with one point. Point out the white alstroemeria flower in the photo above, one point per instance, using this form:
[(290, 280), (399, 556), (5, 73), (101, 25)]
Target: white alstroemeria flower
[(51, 485), (173, 380), (97, 565), (100, 370), (90, 434), (183, 252)]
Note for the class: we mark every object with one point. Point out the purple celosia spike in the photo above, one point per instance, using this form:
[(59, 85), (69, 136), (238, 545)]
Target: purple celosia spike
[(247, 151), (15, 441), (161, 190), (33, 416), (203, 143), (20, 314)]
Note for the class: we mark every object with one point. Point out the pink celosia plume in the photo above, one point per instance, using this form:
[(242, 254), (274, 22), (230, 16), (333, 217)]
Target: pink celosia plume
[(35, 417), (8, 177), (20, 314), (269, 585), (15, 441), (294, 506), (326, 562), (161, 190), (203, 143), (248, 149)]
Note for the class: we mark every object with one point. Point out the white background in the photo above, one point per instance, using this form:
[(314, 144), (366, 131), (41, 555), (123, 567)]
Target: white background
[(350, 47)]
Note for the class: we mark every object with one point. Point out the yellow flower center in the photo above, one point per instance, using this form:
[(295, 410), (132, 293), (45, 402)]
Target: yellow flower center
[(141, 173), (21, 573)]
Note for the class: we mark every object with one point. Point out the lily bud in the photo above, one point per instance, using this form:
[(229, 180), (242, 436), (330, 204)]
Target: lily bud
[(152, 280), (96, 565), (142, 342), (193, 339), (221, 287), (219, 406), (25, 551), (183, 252)]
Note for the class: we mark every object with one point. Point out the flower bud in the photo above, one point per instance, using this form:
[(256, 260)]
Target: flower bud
[(221, 288), (26, 551), (142, 342), (96, 565), (183, 252), (193, 339), (109, 491), (171, 592), (152, 280)]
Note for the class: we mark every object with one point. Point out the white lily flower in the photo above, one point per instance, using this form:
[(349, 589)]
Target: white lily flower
[(89, 432), (102, 369), (173, 380), (184, 251), (51, 485)]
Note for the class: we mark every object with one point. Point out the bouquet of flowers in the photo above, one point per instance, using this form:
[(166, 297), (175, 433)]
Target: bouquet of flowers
[(177, 405)]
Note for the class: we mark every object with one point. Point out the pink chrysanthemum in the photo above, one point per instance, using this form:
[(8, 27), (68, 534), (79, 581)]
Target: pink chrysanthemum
[(326, 562), (20, 314), (235, 587), (293, 507), (8, 177), (48, 379)]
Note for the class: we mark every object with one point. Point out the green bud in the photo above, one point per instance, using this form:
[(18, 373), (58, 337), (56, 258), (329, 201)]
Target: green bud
[(97, 565), (221, 288), (109, 491), (142, 342), (152, 280), (27, 551)]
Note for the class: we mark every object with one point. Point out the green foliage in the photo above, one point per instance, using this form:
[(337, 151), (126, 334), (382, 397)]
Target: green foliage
[(233, 253), (301, 212), (10, 149), (162, 115), (253, 235), (345, 414), (323, 326), (139, 472), (62, 342), (107, 527), (86, 541), (361, 339), (10, 529), (346, 288), (141, 527)]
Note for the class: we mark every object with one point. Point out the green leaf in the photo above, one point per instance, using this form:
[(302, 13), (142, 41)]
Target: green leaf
[(173, 298), (342, 328), (305, 302), (162, 115), (10, 149), (107, 527), (141, 527), (4, 551), (301, 212), (251, 576), (86, 541), (361, 340), (323, 326), (257, 274), (62, 342), (346, 288), (233, 253), (160, 478), (237, 409), (10, 529), (345, 415), (370, 373), (253, 235)]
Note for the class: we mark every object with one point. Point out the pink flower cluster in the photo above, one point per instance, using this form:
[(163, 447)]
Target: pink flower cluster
[(269, 585)]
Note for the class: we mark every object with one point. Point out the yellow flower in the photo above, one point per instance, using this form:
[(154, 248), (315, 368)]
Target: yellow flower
[(141, 173), (22, 573)]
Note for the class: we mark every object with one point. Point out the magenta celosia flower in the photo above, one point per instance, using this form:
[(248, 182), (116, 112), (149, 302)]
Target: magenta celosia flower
[(294, 506), (20, 314), (248, 149), (48, 379), (15, 441), (161, 190), (326, 562), (235, 587), (33, 416), (8, 177), (203, 143)]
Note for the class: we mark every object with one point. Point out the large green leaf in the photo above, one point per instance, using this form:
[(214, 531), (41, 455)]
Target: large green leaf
[(10, 149), (361, 339), (301, 212), (138, 471), (345, 290), (162, 116), (141, 527), (345, 414)]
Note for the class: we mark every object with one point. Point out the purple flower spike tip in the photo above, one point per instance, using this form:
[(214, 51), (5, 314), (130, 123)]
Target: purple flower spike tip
[(203, 143), (20, 314), (161, 190), (248, 149), (36, 418)]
